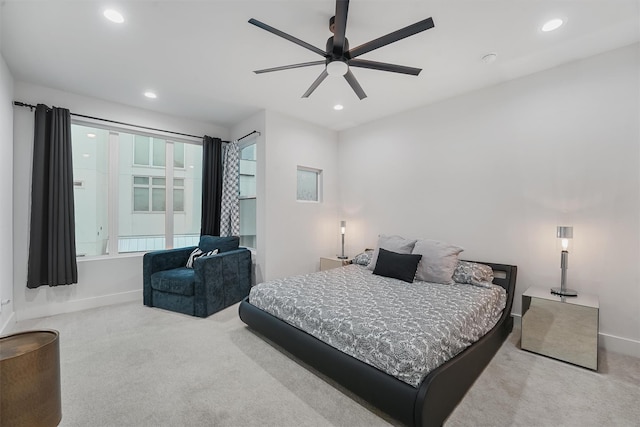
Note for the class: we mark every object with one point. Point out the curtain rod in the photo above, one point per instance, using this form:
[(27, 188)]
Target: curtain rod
[(31, 107)]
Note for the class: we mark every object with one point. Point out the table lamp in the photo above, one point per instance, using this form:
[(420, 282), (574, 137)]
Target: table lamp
[(343, 227), (564, 233)]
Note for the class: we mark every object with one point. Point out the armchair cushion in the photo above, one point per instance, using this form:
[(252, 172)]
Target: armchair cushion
[(176, 281), (223, 244)]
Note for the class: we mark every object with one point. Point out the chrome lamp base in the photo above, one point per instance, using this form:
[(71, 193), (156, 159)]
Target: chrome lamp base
[(564, 292)]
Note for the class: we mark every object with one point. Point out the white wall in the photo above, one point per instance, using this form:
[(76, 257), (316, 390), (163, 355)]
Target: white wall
[(292, 236), (298, 234), (6, 194), (100, 282), (496, 170)]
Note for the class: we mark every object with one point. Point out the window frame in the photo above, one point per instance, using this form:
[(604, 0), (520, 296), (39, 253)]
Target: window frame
[(318, 173), (113, 164)]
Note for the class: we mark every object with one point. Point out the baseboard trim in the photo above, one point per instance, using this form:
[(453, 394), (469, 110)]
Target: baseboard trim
[(608, 342), (619, 344), (8, 324), (54, 308)]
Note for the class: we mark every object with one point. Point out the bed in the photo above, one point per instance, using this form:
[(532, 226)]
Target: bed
[(421, 397)]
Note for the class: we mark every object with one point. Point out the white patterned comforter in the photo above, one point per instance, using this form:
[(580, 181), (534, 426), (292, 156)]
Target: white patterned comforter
[(403, 329)]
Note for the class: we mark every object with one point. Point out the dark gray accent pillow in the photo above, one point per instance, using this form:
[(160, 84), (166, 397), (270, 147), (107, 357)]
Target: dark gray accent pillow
[(397, 266), (391, 243)]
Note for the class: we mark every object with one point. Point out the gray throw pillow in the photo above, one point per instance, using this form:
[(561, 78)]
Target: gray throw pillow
[(439, 261), (391, 243), (364, 258), (473, 274)]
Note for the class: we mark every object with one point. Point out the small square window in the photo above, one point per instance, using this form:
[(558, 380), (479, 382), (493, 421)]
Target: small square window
[(309, 184)]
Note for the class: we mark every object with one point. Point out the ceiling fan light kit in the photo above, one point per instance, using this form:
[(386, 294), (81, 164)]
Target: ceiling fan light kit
[(337, 68), (339, 58)]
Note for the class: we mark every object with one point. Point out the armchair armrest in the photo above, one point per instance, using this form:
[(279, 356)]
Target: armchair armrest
[(155, 261), (221, 280)]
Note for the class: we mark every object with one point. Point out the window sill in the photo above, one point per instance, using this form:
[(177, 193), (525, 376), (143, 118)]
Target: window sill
[(108, 257)]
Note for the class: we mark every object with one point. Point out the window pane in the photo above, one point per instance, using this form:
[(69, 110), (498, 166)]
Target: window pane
[(141, 150), (247, 195), (248, 171), (307, 185), (248, 152), (143, 180), (158, 181), (248, 223), (159, 149), (90, 151), (187, 198), (178, 200), (140, 227), (247, 186), (178, 155), (141, 199), (158, 199)]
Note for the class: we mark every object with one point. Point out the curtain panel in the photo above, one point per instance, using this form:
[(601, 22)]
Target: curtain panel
[(52, 240), (211, 186), (230, 210)]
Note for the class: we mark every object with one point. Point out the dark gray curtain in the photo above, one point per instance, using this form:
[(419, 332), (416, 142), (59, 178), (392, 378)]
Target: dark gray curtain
[(52, 242), (211, 185)]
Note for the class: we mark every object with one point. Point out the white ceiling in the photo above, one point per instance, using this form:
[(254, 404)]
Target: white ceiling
[(199, 55)]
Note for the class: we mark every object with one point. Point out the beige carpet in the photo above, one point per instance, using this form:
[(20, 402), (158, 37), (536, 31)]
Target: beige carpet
[(130, 365)]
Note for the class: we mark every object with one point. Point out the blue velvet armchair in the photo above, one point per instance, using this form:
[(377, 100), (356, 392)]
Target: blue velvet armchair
[(214, 283)]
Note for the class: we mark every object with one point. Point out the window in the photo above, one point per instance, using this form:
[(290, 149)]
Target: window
[(309, 184), (248, 196), (130, 200), (148, 151)]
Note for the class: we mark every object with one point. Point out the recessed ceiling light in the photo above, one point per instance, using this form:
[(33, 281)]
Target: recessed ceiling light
[(113, 16), (489, 58), (91, 135), (85, 155), (551, 25), (150, 94), (338, 107)]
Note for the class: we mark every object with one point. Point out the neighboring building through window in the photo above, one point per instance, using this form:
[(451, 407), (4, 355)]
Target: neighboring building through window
[(130, 200), (150, 193)]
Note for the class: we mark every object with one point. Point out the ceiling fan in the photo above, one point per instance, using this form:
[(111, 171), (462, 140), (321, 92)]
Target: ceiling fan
[(338, 58)]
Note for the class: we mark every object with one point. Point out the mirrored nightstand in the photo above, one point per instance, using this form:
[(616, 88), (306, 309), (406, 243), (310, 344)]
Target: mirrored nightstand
[(327, 263), (565, 328)]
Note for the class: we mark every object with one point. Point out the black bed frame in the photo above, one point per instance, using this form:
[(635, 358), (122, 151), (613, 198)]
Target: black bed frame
[(439, 393)]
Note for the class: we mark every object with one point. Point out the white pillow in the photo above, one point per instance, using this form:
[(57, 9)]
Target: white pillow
[(439, 261), (197, 253), (391, 243)]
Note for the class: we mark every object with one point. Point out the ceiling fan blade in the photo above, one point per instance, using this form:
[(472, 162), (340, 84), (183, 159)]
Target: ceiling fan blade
[(289, 67), (287, 37), (316, 83), (351, 79), (391, 37), (383, 66), (340, 27)]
